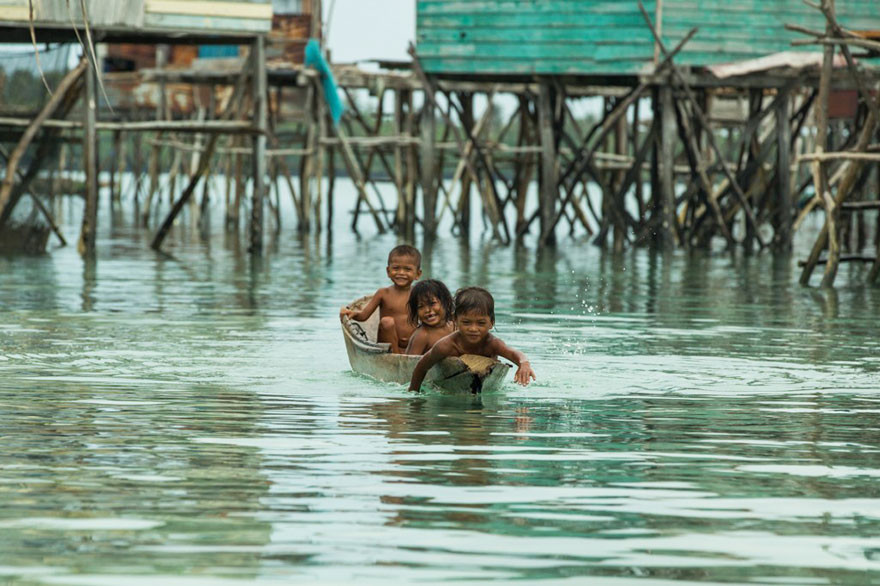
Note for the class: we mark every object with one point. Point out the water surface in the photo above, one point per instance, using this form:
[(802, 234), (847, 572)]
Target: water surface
[(190, 418)]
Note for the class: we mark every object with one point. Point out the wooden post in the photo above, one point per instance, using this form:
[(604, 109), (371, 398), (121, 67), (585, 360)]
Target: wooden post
[(666, 168), (784, 208), (549, 188), (259, 85), (118, 169), (525, 165), (429, 168), (138, 170), (464, 205), (331, 186), (620, 138), (86, 244), (307, 164), (751, 147), (411, 164), (400, 217), (320, 116), (234, 213)]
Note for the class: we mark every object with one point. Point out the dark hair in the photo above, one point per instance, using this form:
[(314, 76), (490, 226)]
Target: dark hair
[(425, 290), (406, 250), (474, 299)]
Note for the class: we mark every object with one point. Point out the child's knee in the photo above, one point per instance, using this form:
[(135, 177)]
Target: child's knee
[(387, 323)]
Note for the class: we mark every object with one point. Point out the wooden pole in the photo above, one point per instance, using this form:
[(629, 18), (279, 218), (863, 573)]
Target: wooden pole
[(258, 87), (464, 202), (307, 165), (411, 168), (620, 146), (549, 188), (429, 168), (666, 168), (86, 244), (784, 208)]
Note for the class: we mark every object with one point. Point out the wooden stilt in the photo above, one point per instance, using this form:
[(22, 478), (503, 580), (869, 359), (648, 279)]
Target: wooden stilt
[(784, 208), (331, 186), (411, 168), (620, 148), (307, 165), (233, 214), (464, 201), (259, 88), (429, 168), (549, 187), (400, 215), (86, 245), (667, 236)]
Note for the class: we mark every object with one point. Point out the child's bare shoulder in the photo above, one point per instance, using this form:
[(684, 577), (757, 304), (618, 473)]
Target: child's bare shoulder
[(447, 345)]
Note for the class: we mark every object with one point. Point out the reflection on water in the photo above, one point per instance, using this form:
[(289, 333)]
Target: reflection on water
[(189, 417)]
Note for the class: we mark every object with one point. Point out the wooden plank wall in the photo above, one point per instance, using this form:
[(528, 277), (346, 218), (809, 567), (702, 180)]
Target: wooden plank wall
[(609, 37), (746, 29), (525, 36)]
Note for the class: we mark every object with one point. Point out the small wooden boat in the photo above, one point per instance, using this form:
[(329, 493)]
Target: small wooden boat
[(468, 373)]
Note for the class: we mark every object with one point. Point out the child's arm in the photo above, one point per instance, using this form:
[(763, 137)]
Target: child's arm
[(367, 311), (440, 351), (524, 369)]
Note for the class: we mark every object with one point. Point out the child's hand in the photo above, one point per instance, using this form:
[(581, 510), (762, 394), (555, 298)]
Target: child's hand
[(523, 373), (346, 312)]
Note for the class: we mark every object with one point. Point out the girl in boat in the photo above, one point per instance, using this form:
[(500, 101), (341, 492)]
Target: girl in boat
[(430, 309), (474, 317)]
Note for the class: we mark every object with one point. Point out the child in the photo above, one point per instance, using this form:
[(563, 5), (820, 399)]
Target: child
[(404, 267), (474, 317), (430, 306)]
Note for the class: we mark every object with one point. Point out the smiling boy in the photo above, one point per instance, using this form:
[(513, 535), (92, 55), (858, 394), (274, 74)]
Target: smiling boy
[(404, 267), (474, 318)]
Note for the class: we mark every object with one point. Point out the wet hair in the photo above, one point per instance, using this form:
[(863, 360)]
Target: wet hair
[(425, 291), (406, 250), (474, 299)]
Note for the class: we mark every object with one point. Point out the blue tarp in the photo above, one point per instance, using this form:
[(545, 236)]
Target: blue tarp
[(315, 59)]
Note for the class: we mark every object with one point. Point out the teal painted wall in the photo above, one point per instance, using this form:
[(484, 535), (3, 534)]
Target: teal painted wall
[(608, 37)]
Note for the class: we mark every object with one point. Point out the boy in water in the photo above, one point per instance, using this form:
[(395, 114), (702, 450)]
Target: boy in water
[(474, 317), (404, 267)]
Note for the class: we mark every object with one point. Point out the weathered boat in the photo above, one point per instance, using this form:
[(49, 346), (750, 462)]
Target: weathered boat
[(468, 373)]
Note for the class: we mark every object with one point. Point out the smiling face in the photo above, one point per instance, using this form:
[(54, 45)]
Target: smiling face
[(403, 270), (473, 326), (431, 313)]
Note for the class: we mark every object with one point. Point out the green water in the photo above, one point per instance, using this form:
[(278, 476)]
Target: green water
[(191, 419)]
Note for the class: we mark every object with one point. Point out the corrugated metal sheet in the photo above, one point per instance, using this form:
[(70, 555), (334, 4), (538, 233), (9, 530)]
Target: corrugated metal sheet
[(607, 37)]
